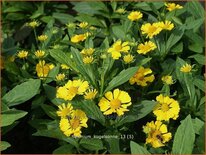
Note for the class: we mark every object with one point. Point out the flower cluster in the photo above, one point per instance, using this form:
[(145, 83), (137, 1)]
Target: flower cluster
[(88, 55), (72, 120)]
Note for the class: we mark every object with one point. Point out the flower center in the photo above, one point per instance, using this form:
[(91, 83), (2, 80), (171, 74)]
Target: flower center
[(165, 107), (73, 90), (118, 47), (75, 123), (157, 135), (115, 103)]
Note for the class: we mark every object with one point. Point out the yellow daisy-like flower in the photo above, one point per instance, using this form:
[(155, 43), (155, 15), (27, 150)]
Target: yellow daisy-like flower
[(146, 47), (88, 59), (34, 24), (73, 124), (117, 48), (167, 80), (151, 29), (173, 6), (42, 37), (11, 58), (60, 77), (87, 51), (166, 108), (65, 110), (90, 94), (22, 54), (157, 134), (79, 37), (71, 89), (142, 76), (83, 25), (116, 102), (128, 58), (167, 25), (120, 10), (135, 15), (186, 68), (42, 69), (39, 53), (64, 66)]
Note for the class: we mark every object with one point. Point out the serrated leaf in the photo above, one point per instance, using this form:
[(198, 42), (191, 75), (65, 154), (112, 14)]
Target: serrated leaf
[(184, 137)]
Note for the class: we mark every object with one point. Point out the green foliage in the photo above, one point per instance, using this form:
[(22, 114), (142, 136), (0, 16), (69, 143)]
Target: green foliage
[(137, 149)]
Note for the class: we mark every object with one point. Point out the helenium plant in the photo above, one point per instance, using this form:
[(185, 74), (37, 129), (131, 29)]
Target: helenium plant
[(104, 77)]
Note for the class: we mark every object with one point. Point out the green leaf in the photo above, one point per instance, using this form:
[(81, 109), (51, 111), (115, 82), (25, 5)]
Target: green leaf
[(121, 78), (137, 149), (198, 125), (196, 48), (196, 9), (22, 92), (175, 36), (91, 110), (15, 16), (51, 94), (199, 58), (200, 84), (194, 23), (113, 145), (52, 74), (137, 112), (146, 5), (119, 32), (63, 17), (178, 49), (91, 20), (57, 134), (64, 149), (184, 137), (92, 144), (4, 145), (10, 116), (63, 58), (49, 110)]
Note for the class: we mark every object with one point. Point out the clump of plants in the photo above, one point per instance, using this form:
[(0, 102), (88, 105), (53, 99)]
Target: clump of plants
[(106, 77)]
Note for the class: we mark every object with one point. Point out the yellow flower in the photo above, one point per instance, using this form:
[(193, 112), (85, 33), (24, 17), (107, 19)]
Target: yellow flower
[(42, 69), (116, 102), (90, 94), (146, 47), (88, 59), (135, 15), (42, 37), (64, 66), (60, 77), (74, 123), (142, 76), (128, 58), (167, 79), (71, 89), (87, 51), (173, 6), (79, 37), (166, 108), (117, 48), (167, 25), (33, 24), (22, 54), (186, 68), (39, 53), (83, 25), (157, 134), (65, 110), (120, 10), (151, 29)]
